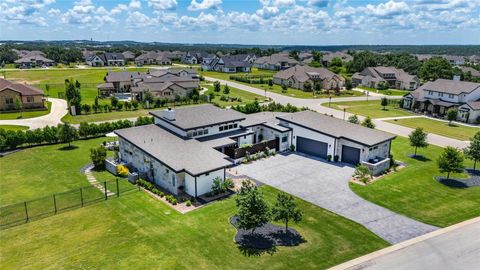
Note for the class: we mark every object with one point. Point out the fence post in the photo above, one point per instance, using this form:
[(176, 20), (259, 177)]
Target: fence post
[(55, 203), (81, 197), (26, 211), (118, 189), (105, 188)]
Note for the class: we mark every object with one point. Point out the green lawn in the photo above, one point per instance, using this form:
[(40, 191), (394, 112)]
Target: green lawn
[(12, 127), (40, 171), (370, 108), (246, 97), (413, 192), (26, 114), (388, 92), (454, 131), (97, 117), (136, 231), (292, 92)]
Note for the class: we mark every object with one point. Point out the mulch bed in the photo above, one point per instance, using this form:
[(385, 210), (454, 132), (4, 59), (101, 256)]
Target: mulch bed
[(266, 237), (473, 181)]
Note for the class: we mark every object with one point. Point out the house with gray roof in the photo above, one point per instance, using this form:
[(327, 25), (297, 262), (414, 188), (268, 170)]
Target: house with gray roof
[(197, 58), (374, 77), (128, 55), (231, 63), (436, 97), (328, 57), (299, 76), (187, 148), (105, 59), (276, 61), (34, 60), (154, 58), (473, 72)]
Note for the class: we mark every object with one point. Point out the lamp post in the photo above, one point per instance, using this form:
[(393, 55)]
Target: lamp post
[(344, 112), (329, 100), (367, 95)]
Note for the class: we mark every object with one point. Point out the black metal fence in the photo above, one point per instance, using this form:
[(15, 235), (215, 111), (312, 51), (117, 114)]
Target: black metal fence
[(19, 213)]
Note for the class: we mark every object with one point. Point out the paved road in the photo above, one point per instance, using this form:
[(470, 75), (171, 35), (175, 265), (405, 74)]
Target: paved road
[(327, 185), (58, 110), (456, 247), (314, 104)]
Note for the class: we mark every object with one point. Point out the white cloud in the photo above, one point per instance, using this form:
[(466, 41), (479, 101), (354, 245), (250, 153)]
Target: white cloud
[(267, 12), (283, 3), (137, 19), (389, 9), (54, 12), (135, 4), (205, 4), (163, 4), (119, 9), (24, 11)]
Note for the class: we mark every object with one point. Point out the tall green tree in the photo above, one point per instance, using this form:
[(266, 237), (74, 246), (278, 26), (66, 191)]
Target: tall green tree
[(285, 210), (253, 211), (418, 139), (384, 103), (435, 68), (473, 150), (216, 86), (67, 133), (19, 105), (73, 95), (451, 160)]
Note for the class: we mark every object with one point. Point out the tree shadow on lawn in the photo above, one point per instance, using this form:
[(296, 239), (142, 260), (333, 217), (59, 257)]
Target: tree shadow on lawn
[(67, 148), (419, 158)]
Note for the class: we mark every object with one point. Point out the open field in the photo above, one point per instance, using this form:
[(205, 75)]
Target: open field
[(110, 116), (26, 114), (459, 132), (413, 192), (137, 231), (244, 96), (12, 127), (370, 108), (291, 92)]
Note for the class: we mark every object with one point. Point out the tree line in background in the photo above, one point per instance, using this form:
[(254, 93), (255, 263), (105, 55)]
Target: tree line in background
[(63, 133), (55, 53), (255, 107)]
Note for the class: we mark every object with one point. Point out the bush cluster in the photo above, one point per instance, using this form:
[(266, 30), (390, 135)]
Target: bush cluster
[(254, 107), (171, 199), (122, 170), (154, 190), (219, 186), (10, 139)]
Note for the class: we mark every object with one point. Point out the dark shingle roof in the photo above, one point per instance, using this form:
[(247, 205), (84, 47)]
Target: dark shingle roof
[(337, 128), (23, 89), (450, 86)]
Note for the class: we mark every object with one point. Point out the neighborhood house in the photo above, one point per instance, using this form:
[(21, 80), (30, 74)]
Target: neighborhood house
[(230, 63), (187, 148), (29, 96), (392, 77), (435, 98), (277, 61), (300, 76)]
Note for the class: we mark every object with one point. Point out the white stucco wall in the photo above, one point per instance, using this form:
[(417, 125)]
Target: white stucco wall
[(366, 153), (204, 182), (306, 133)]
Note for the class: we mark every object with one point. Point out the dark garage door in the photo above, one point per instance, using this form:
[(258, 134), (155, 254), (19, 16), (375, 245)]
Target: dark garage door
[(312, 147), (350, 155)]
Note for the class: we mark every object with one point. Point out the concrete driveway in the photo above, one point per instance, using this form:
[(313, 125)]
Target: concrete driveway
[(58, 110), (326, 185)]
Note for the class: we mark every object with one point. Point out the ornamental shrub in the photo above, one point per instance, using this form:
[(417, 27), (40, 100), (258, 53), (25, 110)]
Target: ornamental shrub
[(122, 171)]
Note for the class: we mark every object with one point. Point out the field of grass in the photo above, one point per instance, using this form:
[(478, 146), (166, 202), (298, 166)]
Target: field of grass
[(12, 127), (40, 171), (291, 92), (454, 131), (26, 114), (137, 231), (388, 92), (415, 193), (370, 108), (246, 97), (110, 116)]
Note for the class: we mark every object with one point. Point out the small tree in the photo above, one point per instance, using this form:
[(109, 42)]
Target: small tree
[(307, 87), (285, 209), (354, 119), (95, 105), (98, 156), (19, 105), (418, 139), (384, 103), (216, 86), (451, 115), (67, 133), (348, 85), (473, 150), (368, 122), (451, 160), (284, 88), (270, 83), (226, 89), (253, 210), (113, 101), (47, 89), (135, 104)]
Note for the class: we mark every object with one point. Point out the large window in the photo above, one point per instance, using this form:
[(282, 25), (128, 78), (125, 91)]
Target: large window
[(284, 138), (30, 99), (9, 100)]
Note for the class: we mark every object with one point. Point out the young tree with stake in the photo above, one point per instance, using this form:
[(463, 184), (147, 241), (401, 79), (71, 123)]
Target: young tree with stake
[(285, 209), (418, 139)]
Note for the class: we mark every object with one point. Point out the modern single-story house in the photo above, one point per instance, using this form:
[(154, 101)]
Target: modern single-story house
[(298, 76), (276, 61), (435, 98), (200, 57), (231, 63), (128, 56), (187, 148), (154, 58), (37, 60), (396, 78), (29, 96)]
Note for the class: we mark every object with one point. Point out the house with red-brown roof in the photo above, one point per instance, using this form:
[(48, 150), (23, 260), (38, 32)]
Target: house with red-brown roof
[(29, 96)]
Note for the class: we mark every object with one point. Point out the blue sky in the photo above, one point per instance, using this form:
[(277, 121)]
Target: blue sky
[(279, 22)]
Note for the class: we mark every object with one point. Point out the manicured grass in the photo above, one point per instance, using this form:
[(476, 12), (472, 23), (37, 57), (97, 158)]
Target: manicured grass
[(415, 193), (291, 92), (455, 131), (370, 108), (12, 127), (388, 92), (97, 117), (43, 170), (246, 97), (26, 114)]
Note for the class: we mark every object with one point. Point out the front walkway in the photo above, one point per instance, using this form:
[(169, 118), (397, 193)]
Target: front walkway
[(93, 181), (327, 185)]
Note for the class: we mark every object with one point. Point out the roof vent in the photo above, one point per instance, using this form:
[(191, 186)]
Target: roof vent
[(169, 114)]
